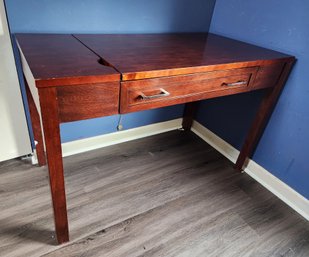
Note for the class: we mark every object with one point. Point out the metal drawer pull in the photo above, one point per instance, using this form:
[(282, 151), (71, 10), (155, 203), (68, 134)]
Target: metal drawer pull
[(163, 93), (238, 83)]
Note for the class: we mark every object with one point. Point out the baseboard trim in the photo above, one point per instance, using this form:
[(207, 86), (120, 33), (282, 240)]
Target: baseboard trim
[(92, 143), (257, 172)]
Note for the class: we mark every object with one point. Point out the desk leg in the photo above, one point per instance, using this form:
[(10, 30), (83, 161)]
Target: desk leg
[(36, 127), (49, 109), (189, 115), (261, 118)]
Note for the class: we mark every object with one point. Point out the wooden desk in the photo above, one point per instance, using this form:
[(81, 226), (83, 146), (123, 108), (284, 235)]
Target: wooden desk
[(75, 77)]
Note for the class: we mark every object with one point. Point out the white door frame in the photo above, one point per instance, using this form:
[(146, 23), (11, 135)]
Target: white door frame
[(14, 133)]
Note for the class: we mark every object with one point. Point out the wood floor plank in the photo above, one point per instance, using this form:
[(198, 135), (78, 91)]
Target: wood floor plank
[(189, 219), (165, 195)]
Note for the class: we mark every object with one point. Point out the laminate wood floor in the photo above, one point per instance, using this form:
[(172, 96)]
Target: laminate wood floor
[(165, 195)]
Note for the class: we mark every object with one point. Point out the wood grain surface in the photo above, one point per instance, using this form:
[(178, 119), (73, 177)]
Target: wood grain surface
[(261, 118), (185, 88), (59, 59), (165, 195), (88, 101), (50, 120), (188, 116), (143, 56)]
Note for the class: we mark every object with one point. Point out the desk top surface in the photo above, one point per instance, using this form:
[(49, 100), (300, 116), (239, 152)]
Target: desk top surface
[(135, 56), (55, 57), (151, 55)]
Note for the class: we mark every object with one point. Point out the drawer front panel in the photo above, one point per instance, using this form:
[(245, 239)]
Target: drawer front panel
[(88, 101), (153, 93)]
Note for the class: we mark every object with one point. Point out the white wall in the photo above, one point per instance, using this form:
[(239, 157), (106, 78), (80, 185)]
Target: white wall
[(14, 136)]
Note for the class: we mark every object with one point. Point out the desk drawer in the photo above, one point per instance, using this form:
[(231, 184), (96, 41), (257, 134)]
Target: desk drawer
[(153, 93)]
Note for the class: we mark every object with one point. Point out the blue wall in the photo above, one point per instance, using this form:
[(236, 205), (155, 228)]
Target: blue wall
[(110, 16), (276, 24), (281, 25)]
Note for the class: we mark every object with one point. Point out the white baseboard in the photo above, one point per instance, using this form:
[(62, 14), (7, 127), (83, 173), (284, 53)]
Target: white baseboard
[(257, 172), (92, 143)]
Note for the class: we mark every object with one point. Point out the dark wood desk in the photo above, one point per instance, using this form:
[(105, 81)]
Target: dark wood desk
[(75, 77)]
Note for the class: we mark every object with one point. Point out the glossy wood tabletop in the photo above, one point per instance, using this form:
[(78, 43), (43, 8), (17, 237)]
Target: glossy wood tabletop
[(139, 56), (56, 58)]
